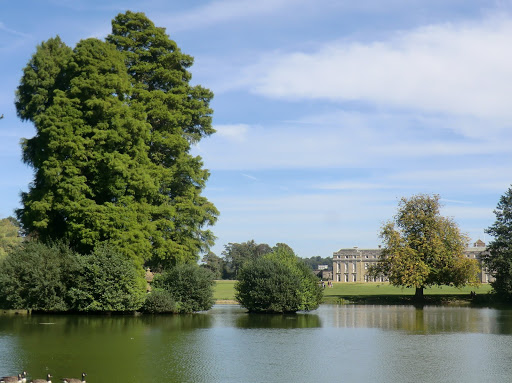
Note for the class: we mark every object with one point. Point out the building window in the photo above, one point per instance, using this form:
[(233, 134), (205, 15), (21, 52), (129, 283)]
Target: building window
[(346, 277), (366, 278), (366, 266), (354, 277), (338, 267)]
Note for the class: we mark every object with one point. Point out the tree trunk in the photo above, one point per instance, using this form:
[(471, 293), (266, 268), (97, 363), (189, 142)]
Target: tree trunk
[(419, 293)]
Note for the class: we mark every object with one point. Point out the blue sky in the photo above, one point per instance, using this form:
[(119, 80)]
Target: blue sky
[(327, 111)]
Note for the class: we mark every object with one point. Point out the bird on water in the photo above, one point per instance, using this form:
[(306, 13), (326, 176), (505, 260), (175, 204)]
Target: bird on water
[(75, 380), (22, 378), (11, 379), (47, 380)]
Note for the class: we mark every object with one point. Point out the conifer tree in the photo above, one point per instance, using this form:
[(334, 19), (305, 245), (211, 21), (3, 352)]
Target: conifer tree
[(499, 259), (111, 155)]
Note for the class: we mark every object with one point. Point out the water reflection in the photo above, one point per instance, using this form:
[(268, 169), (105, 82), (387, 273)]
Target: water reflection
[(278, 321), (426, 320), (226, 344), (113, 348)]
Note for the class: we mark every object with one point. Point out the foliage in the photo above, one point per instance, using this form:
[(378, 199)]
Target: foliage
[(115, 122), (9, 235), (422, 248), (159, 301), (189, 285), (314, 262), (236, 254), (499, 259), (36, 276), (213, 263), (107, 281), (277, 282)]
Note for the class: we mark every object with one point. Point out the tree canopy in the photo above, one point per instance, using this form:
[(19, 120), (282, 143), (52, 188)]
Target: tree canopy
[(51, 277), (236, 254), (9, 235), (213, 263), (115, 121), (189, 286), (316, 261), (499, 259), (422, 248), (277, 282)]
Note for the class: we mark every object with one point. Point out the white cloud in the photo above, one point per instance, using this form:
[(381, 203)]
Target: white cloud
[(351, 185), (460, 69), (344, 139), (472, 179), (234, 132), (4, 28), (222, 11), (249, 176)]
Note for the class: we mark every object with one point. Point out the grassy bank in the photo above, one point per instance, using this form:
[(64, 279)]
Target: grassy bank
[(373, 293)]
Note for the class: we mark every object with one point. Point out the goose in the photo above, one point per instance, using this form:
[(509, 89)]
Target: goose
[(20, 378), (47, 380), (75, 380), (11, 379)]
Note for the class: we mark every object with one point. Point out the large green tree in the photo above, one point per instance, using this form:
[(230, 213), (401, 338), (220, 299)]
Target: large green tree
[(423, 248), (499, 258), (115, 121)]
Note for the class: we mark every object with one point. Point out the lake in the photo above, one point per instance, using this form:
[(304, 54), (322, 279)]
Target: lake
[(332, 344)]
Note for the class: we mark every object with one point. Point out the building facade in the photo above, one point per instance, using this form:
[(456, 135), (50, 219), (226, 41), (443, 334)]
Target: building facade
[(351, 265)]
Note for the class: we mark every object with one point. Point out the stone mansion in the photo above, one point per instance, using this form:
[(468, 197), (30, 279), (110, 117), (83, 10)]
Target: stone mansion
[(351, 265)]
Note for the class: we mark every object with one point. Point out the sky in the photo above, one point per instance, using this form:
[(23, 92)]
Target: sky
[(327, 111)]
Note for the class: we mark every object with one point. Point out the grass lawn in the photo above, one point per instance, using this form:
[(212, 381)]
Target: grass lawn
[(384, 292), (224, 290), (368, 292)]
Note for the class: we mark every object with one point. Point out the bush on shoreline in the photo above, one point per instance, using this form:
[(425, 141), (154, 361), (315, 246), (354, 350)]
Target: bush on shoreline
[(52, 278), (278, 282), (189, 285)]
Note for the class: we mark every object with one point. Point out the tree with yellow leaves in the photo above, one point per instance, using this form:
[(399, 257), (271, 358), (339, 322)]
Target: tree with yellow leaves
[(422, 248)]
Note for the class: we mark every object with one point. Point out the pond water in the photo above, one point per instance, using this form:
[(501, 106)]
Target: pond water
[(333, 343)]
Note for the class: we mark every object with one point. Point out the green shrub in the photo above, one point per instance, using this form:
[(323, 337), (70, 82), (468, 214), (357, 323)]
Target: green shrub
[(108, 281), (36, 276), (279, 282), (190, 286), (159, 301)]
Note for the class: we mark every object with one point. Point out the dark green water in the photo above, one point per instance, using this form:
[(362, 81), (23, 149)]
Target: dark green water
[(332, 344)]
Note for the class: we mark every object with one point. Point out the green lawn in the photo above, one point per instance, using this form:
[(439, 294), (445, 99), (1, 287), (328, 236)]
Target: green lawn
[(224, 290)]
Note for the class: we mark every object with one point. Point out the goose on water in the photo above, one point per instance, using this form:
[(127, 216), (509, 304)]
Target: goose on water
[(22, 378), (47, 380), (75, 380), (11, 379)]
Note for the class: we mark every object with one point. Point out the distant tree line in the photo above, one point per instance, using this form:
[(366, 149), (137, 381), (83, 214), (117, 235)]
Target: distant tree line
[(235, 255)]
